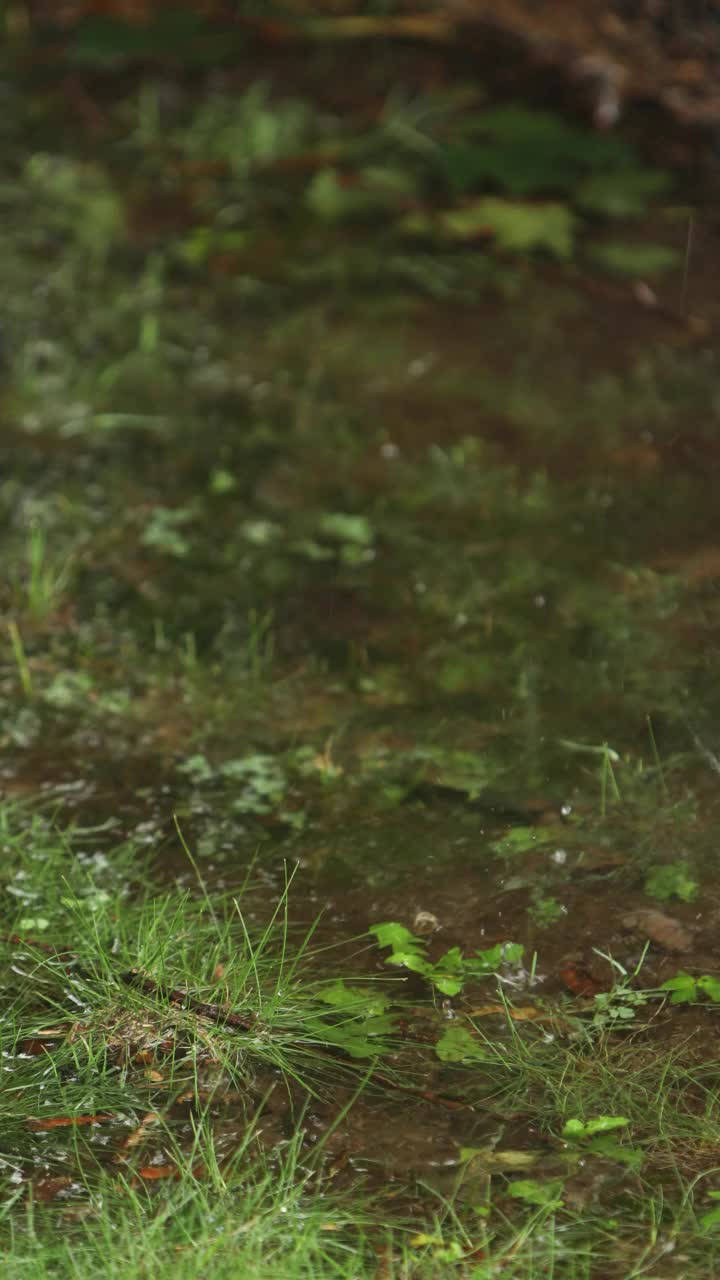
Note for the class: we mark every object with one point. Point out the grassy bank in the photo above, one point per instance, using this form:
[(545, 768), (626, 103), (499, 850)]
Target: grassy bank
[(188, 1089)]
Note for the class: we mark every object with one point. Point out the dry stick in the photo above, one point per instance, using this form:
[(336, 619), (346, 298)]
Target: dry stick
[(176, 995), (708, 756), (640, 296)]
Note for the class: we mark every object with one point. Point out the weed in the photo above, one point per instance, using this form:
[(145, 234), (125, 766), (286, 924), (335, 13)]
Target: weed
[(671, 881), (46, 582), (609, 759), (20, 658), (685, 989), (253, 784), (163, 531), (545, 910), (450, 973), (260, 645)]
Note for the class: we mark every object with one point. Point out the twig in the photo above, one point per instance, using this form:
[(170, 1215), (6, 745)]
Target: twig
[(175, 995), (708, 756)]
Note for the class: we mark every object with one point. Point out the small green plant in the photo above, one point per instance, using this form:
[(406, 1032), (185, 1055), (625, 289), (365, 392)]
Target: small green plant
[(338, 535), (450, 973), (247, 132), (256, 784), (260, 647), (46, 577), (358, 1019), (162, 531), (545, 910), (686, 989), (609, 759), (710, 1220), (20, 658), (518, 840), (547, 1195), (595, 1137), (78, 202), (577, 1129), (68, 689), (671, 881), (617, 1009)]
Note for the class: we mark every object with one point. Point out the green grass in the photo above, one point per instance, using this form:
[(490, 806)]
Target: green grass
[(247, 1217), (164, 1123), (185, 1089)]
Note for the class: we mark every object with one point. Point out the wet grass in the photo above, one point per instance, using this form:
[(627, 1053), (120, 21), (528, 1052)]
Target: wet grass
[(160, 1053), (302, 571), (182, 1086), (247, 1224)]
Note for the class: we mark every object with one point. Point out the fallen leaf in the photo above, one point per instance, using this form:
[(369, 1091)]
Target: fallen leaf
[(46, 1189), (64, 1122), (136, 1137), (508, 1159), (32, 1048), (525, 1013), (581, 982), (152, 1172)]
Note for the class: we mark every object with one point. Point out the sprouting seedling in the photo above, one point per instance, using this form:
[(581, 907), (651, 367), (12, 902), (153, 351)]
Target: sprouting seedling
[(656, 758), (46, 580), (608, 759), (260, 642), (608, 780), (20, 657)]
